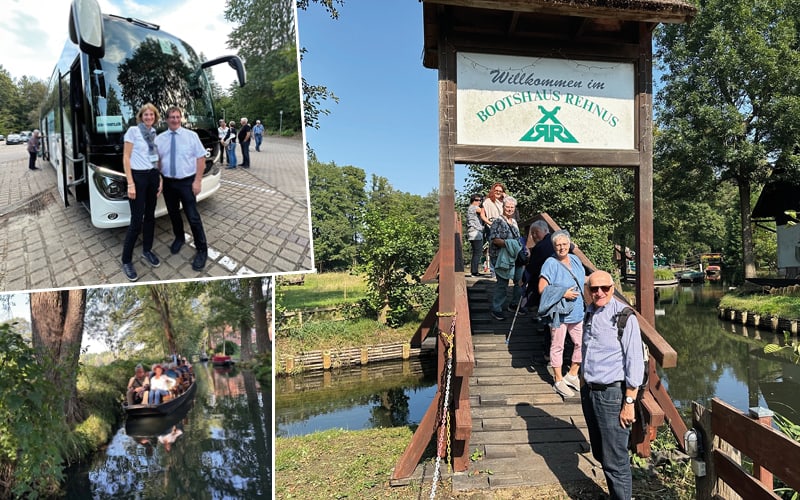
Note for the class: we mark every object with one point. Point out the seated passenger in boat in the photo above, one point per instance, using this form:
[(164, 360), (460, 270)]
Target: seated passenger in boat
[(138, 386), (160, 385)]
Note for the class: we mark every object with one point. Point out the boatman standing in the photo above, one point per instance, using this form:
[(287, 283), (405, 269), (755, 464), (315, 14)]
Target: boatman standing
[(182, 162), (613, 370)]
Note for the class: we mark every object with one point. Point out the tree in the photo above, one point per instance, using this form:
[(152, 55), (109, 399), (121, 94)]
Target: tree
[(399, 241), (338, 200), (729, 109), (261, 311), (265, 39), (594, 204), (57, 330)]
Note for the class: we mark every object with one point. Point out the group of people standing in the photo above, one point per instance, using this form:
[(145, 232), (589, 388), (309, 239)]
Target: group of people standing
[(171, 163), (606, 368), (228, 136)]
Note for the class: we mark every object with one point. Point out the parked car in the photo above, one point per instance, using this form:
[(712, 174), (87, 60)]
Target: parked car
[(25, 135), (13, 139), (2, 137)]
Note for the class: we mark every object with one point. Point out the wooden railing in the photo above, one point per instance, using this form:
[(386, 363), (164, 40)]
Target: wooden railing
[(463, 364), (657, 404), (727, 434)]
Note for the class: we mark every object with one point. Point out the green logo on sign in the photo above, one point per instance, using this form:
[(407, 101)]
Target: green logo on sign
[(549, 131)]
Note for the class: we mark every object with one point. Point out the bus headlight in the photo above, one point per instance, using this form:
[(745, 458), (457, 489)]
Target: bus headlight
[(112, 185)]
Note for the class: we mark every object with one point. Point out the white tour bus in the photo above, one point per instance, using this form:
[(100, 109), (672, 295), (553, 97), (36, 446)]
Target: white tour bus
[(109, 68)]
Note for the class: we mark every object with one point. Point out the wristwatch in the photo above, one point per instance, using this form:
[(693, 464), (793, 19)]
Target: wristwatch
[(628, 400)]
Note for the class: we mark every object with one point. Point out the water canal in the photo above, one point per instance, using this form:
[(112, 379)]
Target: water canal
[(716, 358), (223, 449)]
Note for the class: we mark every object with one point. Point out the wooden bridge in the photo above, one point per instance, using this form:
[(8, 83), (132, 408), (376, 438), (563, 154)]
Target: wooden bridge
[(503, 406)]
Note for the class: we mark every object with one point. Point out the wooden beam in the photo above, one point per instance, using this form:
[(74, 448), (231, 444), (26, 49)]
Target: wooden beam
[(645, 287), (510, 155), (764, 445), (426, 326), (659, 13), (419, 441), (432, 271), (740, 481)]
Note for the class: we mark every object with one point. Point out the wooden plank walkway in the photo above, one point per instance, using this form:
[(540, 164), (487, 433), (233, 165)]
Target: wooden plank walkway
[(527, 434)]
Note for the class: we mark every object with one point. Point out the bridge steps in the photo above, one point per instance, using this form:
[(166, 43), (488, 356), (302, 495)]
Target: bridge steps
[(524, 432)]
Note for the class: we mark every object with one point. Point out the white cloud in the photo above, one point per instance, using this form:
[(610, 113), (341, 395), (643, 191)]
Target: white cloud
[(33, 34)]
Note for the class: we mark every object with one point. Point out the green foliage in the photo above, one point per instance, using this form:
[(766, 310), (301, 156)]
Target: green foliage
[(264, 38), (337, 204), (230, 348), (397, 249), (663, 274), (729, 109), (766, 305), (262, 368), (30, 417), (594, 204)]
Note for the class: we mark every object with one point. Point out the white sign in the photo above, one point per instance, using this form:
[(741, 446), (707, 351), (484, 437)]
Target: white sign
[(107, 124), (544, 103), (788, 246)]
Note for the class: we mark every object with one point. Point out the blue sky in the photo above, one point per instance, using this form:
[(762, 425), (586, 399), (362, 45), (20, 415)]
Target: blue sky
[(386, 121)]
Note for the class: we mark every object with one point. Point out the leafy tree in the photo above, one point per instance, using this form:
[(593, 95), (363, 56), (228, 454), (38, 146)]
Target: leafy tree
[(8, 96), (31, 93), (265, 39), (337, 203), (594, 204), (31, 419), (729, 108), (396, 251), (399, 241)]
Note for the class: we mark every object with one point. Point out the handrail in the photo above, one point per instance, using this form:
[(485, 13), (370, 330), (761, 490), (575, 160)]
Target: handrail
[(657, 403), (772, 452)]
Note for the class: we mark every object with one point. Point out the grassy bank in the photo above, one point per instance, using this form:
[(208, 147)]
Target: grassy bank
[(357, 464), (329, 334), (784, 306), (322, 290)]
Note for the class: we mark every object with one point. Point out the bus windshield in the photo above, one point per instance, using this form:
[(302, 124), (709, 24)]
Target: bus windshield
[(144, 65)]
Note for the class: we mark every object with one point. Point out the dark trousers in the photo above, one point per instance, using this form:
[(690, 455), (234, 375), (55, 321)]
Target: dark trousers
[(246, 153), (32, 160), (143, 210), (608, 438), (178, 192), (477, 252)]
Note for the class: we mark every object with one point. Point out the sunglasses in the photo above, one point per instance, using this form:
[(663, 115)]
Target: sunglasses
[(605, 288)]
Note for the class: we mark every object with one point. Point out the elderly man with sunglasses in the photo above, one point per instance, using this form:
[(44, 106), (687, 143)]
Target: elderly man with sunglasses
[(613, 369)]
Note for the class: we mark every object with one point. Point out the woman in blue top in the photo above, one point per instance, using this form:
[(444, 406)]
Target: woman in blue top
[(563, 276)]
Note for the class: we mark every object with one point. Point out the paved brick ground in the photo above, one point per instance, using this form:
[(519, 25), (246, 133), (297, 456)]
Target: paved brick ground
[(257, 223)]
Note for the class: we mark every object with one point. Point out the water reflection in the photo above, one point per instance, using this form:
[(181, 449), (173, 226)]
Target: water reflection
[(217, 448), (722, 359), (388, 394)]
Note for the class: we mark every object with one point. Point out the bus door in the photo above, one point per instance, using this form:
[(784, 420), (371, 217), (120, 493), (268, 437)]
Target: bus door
[(70, 168)]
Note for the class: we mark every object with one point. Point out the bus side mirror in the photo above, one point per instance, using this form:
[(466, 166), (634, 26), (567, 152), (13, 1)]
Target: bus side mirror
[(86, 27), (234, 62)]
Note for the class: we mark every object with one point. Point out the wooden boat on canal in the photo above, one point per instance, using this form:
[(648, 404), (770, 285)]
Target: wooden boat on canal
[(165, 408)]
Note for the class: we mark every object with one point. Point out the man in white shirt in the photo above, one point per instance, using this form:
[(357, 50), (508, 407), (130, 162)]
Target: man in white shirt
[(182, 163)]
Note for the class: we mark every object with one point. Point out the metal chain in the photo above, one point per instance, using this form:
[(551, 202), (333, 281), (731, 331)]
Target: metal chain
[(448, 337)]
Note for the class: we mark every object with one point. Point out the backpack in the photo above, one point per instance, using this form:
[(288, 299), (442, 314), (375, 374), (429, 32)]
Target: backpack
[(621, 319)]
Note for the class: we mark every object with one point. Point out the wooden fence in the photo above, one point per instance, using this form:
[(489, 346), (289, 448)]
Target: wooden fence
[(774, 323), (727, 435), (336, 358)]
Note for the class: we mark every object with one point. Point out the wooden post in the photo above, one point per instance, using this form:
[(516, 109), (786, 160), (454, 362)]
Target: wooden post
[(289, 364), (406, 351), (708, 486), (645, 286), (326, 360), (764, 417), (364, 356)]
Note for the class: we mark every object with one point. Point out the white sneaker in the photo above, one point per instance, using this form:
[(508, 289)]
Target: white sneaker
[(562, 388), (573, 381)]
